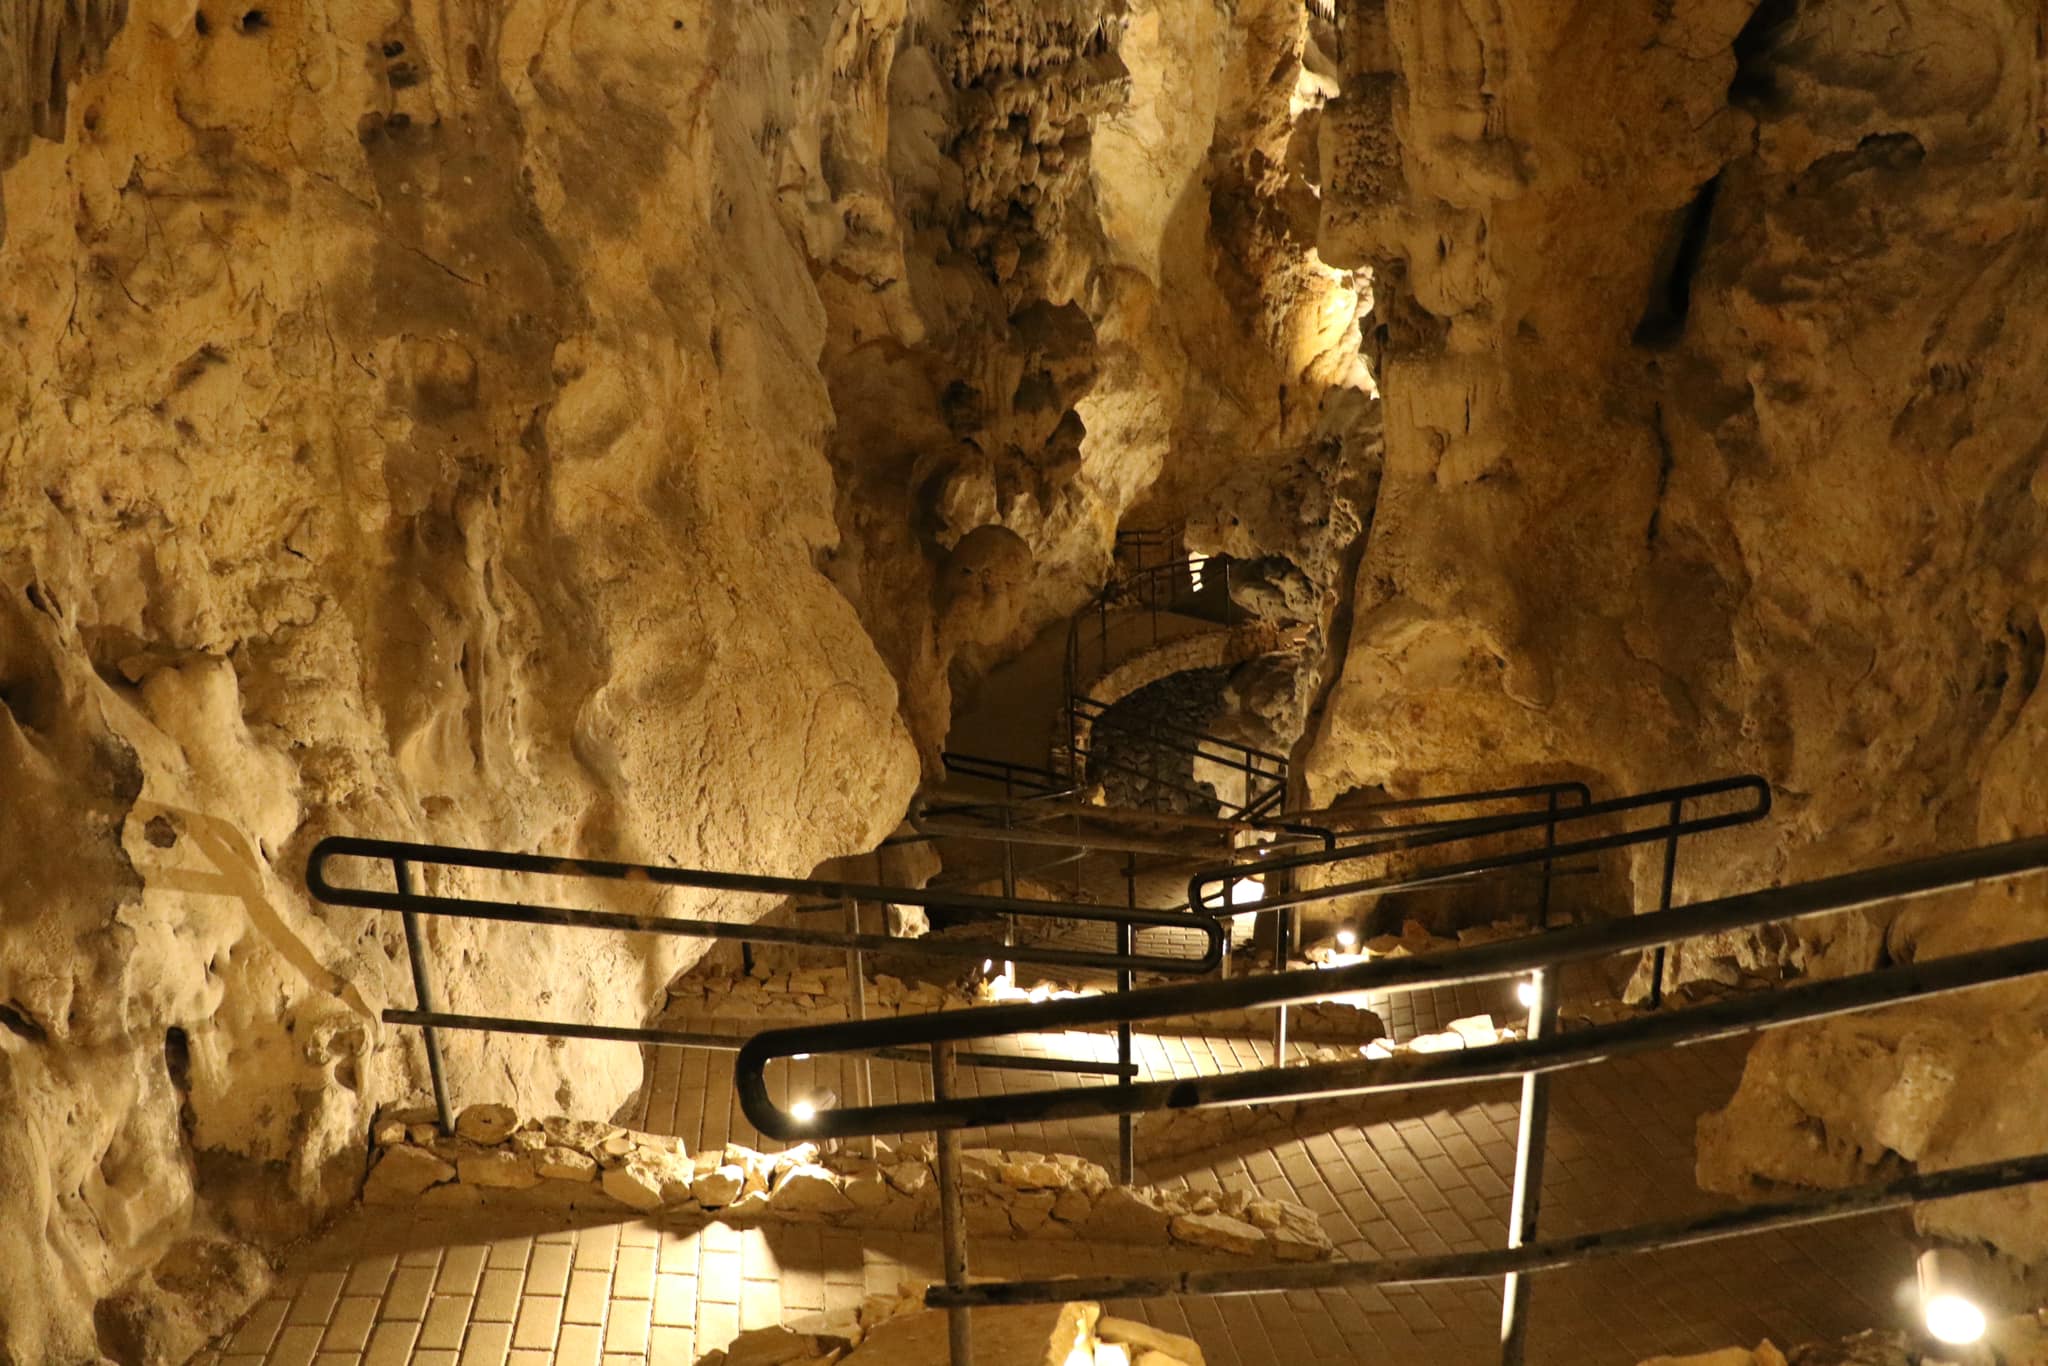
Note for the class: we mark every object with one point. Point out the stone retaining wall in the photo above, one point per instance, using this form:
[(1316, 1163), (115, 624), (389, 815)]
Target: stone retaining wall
[(812, 997), (577, 1163)]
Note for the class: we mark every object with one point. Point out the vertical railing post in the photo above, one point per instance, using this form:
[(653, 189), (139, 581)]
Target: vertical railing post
[(952, 1217), (1549, 843), (857, 980), (1009, 878), (1126, 1128), (1283, 945), (1664, 902), (1530, 1132), (423, 993)]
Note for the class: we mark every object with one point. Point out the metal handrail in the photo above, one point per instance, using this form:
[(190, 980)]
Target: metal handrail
[(1549, 1254), (342, 846), (1483, 962), (1154, 728), (1532, 1060), (1204, 886), (933, 821), (1039, 780), (1564, 788), (1528, 1058)]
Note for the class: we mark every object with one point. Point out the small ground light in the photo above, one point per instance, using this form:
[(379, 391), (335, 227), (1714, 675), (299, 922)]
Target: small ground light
[(1525, 992), (804, 1111), (1951, 1317), (1347, 939)]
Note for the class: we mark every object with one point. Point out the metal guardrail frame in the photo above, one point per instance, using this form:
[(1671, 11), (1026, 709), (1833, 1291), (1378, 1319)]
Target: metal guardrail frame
[(1537, 1056), (403, 855), (1265, 772)]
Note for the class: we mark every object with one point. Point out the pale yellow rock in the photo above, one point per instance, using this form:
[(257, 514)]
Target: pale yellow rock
[(1032, 1175), (1073, 1204), (911, 1178), (486, 1124), (557, 1163), (635, 1184), (503, 1170), (719, 1187), (808, 1188), (868, 1191), (752, 1205), (580, 1135), (1218, 1231), (1143, 1337), (402, 1173), (1127, 1216), (1030, 1212)]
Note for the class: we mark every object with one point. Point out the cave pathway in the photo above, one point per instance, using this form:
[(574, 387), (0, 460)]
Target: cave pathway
[(514, 1288)]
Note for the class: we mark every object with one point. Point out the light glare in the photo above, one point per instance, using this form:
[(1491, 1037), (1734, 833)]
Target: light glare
[(1953, 1319), (1525, 992), (804, 1111), (1347, 939)]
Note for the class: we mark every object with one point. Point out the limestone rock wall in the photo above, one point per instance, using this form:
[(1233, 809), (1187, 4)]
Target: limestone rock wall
[(415, 428), (590, 426), (1710, 341)]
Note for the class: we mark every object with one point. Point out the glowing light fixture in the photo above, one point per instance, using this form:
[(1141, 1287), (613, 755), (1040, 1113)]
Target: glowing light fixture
[(1525, 992), (1951, 1316), (804, 1111), (799, 1057), (1347, 939), (988, 965), (1247, 890)]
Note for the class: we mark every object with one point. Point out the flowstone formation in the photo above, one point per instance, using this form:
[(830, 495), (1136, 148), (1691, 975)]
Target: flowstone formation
[(1711, 350), (607, 429)]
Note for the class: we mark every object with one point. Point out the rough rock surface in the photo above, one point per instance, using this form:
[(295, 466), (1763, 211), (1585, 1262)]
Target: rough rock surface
[(613, 429), (1709, 366)]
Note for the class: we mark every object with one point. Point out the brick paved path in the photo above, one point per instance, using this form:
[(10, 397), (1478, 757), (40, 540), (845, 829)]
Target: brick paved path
[(443, 1290)]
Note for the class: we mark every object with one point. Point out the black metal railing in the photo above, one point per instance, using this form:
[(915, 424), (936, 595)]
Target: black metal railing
[(1013, 778), (1264, 773), (404, 856), (1543, 1052)]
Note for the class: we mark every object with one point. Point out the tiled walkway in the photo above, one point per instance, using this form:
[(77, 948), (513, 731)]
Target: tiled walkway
[(449, 1290)]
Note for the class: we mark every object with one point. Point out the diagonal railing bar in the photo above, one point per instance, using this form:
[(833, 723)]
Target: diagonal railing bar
[(1098, 714), (344, 846), (730, 1043), (1532, 1060), (1501, 958), (1549, 1254), (1204, 886)]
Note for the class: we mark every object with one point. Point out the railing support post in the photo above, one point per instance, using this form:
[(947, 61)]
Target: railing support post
[(1009, 879), (1549, 843), (857, 997), (1283, 946), (1531, 1130), (423, 994), (1126, 1125), (1664, 903), (952, 1217)]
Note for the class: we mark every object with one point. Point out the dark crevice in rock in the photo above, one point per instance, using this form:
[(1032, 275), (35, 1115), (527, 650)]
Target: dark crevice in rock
[(1664, 460), (1755, 84), (17, 1021), (1663, 320)]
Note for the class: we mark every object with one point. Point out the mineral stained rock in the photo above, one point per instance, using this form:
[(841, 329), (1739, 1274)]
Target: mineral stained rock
[(1710, 349), (600, 429)]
